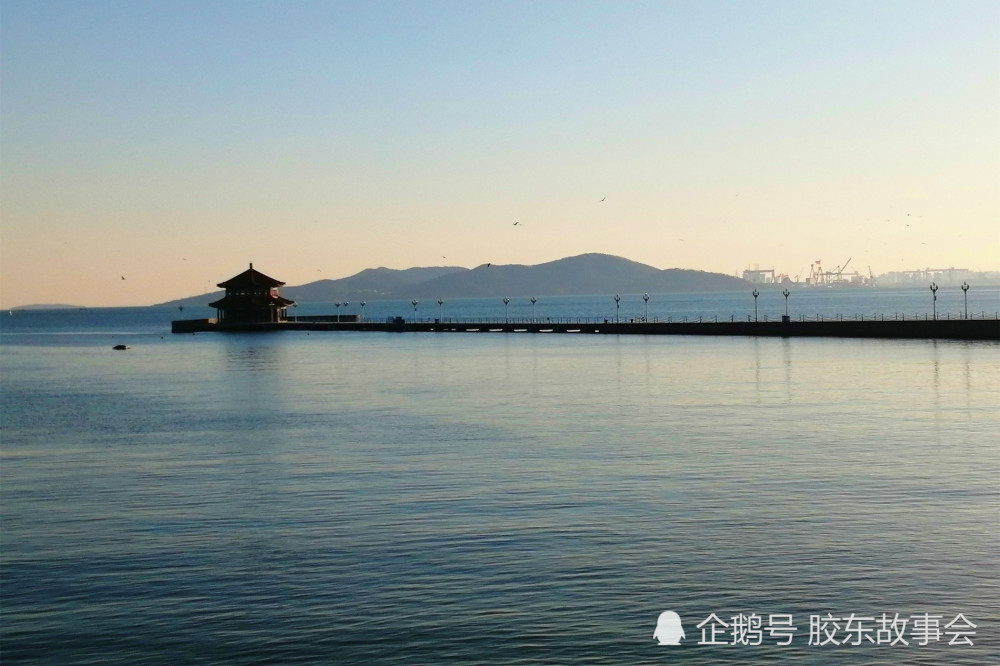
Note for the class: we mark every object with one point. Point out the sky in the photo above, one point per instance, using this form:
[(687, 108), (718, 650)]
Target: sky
[(171, 143)]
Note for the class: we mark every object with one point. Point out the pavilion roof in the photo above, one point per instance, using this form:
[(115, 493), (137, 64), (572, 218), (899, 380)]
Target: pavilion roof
[(251, 278), (254, 301)]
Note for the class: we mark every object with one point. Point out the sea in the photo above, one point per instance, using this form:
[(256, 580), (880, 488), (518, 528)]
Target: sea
[(501, 498)]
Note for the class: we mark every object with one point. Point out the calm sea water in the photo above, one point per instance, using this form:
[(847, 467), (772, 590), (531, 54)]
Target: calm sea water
[(421, 498)]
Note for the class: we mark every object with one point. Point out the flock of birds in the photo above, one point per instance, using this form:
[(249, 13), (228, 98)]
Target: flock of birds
[(518, 223)]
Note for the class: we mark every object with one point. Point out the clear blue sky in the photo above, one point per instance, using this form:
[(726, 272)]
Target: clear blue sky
[(173, 142)]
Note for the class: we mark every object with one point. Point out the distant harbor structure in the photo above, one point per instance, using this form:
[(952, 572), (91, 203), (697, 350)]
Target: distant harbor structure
[(817, 276), (251, 298)]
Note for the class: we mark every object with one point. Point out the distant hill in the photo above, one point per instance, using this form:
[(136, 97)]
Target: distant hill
[(573, 276), (580, 275), (371, 283), (47, 306)]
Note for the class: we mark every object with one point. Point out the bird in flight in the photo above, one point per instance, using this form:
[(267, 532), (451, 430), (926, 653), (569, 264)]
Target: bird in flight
[(123, 277), (604, 197), (516, 223)]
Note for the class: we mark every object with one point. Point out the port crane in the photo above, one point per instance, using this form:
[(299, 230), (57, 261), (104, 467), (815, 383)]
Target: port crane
[(819, 277)]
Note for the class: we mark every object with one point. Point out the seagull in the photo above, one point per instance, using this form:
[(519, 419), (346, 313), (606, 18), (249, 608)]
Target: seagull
[(604, 197), (516, 223), (488, 265), (123, 277)]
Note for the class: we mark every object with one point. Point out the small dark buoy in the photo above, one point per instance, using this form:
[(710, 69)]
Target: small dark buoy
[(120, 347)]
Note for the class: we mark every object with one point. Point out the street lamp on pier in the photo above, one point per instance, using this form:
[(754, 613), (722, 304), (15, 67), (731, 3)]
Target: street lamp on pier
[(440, 308), (362, 310), (785, 294), (645, 297), (965, 295), (934, 289), (618, 306), (533, 301), (755, 295), (338, 311), (506, 302), (414, 302)]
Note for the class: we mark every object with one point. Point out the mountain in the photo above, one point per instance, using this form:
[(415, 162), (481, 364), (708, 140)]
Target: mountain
[(581, 275), (370, 283)]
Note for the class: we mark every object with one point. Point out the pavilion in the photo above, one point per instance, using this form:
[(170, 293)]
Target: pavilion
[(251, 298)]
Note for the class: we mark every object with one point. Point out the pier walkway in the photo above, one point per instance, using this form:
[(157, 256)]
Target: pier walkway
[(953, 329)]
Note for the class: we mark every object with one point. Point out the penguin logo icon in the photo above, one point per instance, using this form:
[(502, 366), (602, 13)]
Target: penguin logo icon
[(668, 629)]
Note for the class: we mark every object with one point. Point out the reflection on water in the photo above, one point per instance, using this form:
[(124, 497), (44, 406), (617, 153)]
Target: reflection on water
[(490, 498), (786, 353)]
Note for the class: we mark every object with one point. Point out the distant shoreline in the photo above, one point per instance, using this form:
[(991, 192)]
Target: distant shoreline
[(47, 306), (204, 299)]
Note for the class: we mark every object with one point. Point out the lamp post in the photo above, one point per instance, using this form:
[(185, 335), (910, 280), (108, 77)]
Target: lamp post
[(338, 311), (506, 301), (414, 301), (965, 295), (645, 297), (934, 289), (755, 295), (618, 305), (440, 308), (533, 301), (785, 294), (362, 310)]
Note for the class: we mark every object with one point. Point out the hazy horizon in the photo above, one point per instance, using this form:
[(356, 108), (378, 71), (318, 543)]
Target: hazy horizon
[(991, 283), (170, 144)]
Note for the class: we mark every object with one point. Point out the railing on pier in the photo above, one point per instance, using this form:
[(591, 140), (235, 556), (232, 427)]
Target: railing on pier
[(689, 319), (982, 326)]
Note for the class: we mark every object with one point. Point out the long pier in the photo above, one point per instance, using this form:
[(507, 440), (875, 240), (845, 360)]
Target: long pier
[(946, 329)]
